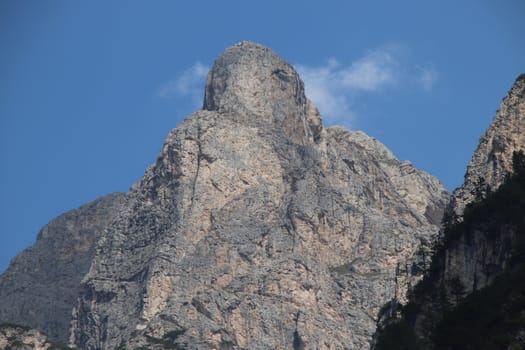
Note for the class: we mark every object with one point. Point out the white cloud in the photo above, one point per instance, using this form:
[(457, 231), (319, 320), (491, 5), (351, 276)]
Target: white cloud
[(428, 77), (371, 73), (322, 87), (332, 85), (187, 84), (335, 88)]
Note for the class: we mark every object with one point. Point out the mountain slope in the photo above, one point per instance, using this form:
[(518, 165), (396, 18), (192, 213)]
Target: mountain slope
[(472, 296), (492, 160), (257, 227), (40, 287)]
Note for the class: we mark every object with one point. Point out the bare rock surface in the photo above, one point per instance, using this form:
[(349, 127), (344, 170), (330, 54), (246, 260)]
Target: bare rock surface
[(492, 160), (13, 337), (41, 284), (256, 228), (482, 245), (476, 260)]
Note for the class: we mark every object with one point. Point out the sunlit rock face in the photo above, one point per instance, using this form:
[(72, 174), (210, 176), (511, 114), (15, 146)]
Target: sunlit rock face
[(492, 160), (257, 228), (252, 77), (481, 248), (477, 259), (23, 338), (256, 87)]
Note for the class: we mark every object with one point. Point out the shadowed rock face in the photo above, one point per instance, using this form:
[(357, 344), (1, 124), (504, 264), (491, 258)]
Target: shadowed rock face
[(258, 228), (40, 287)]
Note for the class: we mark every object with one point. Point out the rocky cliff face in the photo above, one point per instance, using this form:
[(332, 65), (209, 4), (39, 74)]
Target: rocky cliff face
[(484, 244), (41, 284), (476, 260), (256, 228), (16, 337), (492, 160)]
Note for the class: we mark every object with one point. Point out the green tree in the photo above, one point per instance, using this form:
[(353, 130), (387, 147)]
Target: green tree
[(518, 164), (398, 336), (457, 289)]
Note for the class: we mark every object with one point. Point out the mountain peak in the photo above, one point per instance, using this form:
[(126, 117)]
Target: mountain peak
[(248, 77), (492, 160), (255, 228)]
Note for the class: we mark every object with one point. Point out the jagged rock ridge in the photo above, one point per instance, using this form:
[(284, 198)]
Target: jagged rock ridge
[(482, 243), (478, 260), (256, 227), (492, 160)]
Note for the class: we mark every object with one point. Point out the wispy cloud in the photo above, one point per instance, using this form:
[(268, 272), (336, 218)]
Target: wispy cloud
[(332, 85), (428, 77), (335, 87), (370, 73), (187, 84)]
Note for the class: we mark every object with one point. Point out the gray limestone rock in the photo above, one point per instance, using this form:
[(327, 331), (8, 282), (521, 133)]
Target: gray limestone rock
[(479, 250), (40, 287), (14, 337), (255, 87), (477, 260), (492, 160), (257, 228)]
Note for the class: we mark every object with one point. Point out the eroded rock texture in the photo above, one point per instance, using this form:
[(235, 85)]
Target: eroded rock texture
[(41, 284), (13, 337), (481, 250), (492, 160), (477, 259), (257, 228)]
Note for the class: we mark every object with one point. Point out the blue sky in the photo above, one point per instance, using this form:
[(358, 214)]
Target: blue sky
[(90, 89)]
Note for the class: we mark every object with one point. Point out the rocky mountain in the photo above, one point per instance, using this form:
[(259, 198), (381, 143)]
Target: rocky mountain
[(256, 228), (472, 295), (476, 262), (15, 337), (492, 160), (40, 286)]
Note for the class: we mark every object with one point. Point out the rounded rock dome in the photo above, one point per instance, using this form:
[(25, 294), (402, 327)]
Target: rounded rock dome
[(249, 77)]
